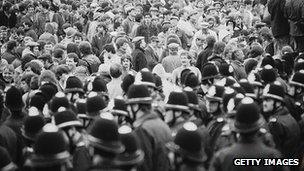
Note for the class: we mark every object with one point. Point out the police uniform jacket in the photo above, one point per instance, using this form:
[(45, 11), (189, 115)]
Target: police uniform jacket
[(285, 131)]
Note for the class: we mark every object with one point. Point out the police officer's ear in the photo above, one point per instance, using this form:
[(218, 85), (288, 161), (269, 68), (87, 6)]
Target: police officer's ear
[(278, 103)]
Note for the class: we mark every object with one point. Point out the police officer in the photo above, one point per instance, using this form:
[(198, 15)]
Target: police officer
[(120, 111), (104, 142), (185, 155), (247, 124), (177, 111), (67, 121), (151, 130), (282, 125), (294, 100), (95, 105), (133, 155), (214, 108), (50, 151)]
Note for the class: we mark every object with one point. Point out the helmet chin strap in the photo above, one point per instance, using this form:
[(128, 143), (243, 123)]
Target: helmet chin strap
[(172, 122), (134, 113)]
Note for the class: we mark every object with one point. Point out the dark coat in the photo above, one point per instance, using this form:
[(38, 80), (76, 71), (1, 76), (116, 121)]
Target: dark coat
[(203, 56), (10, 21), (279, 23), (154, 134), (8, 140), (139, 59), (15, 122), (223, 159), (99, 41), (152, 57), (285, 131)]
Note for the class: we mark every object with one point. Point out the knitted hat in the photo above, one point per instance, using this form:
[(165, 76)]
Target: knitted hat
[(66, 118), (138, 94), (104, 136), (13, 99), (50, 148), (73, 84), (132, 154), (247, 116)]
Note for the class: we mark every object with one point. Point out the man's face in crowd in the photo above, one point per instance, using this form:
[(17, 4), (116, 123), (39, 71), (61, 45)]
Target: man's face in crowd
[(31, 10), (126, 63), (268, 105), (201, 41), (36, 50), (48, 48), (185, 60), (148, 19), (24, 86), (238, 20), (211, 23), (71, 63), (173, 50), (133, 12), (77, 39), (124, 47), (154, 43)]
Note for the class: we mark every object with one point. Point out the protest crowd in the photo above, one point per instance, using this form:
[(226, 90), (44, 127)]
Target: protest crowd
[(151, 85)]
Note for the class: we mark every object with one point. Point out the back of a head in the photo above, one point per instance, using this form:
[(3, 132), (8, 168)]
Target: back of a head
[(219, 47), (115, 70)]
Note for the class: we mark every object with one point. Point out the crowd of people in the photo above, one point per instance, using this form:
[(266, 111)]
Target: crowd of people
[(151, 85)]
